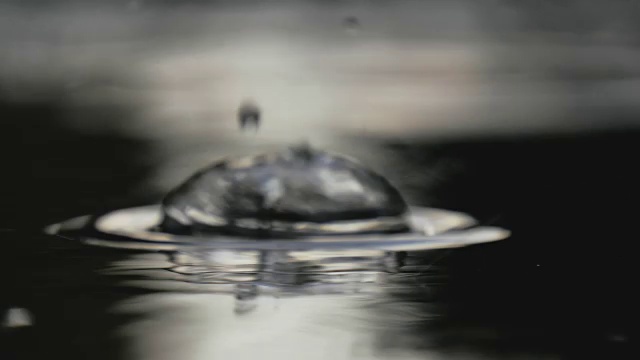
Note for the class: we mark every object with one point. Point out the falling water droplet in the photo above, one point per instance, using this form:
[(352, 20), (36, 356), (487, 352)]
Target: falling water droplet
[(249, 116), (352, 24)]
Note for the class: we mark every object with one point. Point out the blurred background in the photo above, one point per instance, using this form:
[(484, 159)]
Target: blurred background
[(523, 114)]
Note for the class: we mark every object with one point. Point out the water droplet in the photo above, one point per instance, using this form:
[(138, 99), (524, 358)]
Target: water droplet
[(249, 115), (351, 21), (352, 24)]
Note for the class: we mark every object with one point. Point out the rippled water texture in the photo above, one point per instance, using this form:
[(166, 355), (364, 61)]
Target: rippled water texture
[(524, 116)]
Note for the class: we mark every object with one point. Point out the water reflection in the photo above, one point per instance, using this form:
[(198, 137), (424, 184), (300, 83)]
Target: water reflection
[(359, 306), (496, 304), (311, 305), (271, 272)]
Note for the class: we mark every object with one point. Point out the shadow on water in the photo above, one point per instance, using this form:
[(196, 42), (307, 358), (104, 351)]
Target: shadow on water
[(564, 279), (52, 172)]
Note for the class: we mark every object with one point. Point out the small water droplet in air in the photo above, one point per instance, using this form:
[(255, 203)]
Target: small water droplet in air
[(249, 115), (352, 24)]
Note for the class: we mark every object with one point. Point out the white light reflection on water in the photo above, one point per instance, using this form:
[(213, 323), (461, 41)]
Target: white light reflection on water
[(356, 317), (341, 321), (206, 326)]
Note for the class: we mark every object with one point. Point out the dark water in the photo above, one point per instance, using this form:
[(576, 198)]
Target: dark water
[(562, 287)]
